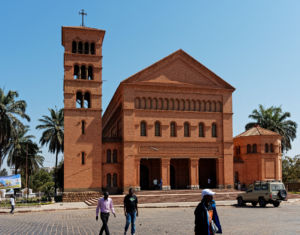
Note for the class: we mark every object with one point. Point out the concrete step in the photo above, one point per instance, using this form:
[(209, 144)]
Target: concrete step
[(170, 197)]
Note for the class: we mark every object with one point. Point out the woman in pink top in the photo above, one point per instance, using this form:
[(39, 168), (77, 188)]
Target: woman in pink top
[(105, 205)]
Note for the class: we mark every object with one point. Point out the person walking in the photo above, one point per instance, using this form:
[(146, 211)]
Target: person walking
[(130, 210), (12, 203), (206, 216), (105, 205)]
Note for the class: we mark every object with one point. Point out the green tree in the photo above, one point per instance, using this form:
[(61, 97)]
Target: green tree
[(23, 147), (276, 120), (291, 169), (39, 179), (10, 110), (3, 172), (53, 134)]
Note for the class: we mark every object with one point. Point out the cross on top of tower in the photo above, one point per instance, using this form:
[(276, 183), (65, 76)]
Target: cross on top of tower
[(82, 13)]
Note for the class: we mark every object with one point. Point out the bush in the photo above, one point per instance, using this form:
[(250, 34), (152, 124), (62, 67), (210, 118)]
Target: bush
[(58, 198)]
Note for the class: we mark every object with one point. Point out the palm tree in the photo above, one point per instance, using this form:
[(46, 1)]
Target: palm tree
[(21, 146), (276, 120), (9, 109), (53, 134)]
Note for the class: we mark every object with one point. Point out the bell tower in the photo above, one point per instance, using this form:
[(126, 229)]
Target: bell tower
[(82, 108)]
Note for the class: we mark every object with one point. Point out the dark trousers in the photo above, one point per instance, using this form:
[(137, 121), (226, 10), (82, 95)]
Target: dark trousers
[(12, 209), (104, 218)]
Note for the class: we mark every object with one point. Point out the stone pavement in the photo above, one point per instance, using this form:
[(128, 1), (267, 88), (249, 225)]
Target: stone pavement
[(82, 205), (159, 221)]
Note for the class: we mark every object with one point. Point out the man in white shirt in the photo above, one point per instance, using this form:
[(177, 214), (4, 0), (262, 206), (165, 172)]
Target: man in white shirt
[(12, 203)]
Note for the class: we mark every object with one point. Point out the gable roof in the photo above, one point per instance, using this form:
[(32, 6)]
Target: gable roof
[(182, 70), (257, 130)]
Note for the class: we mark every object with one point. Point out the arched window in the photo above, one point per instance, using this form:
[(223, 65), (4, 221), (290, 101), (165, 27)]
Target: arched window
[(149, 103), (166, 104), (271, 148), (254, 148), (93, 48), (83, 72), (115, 156), (214, 130), (155, 103), (87, 100), (186, 129), (86, 48), (177, 104), (108, 179), (82, 127), (74, 47), (266, 148), (249, 148), (143, 127), (90, 73), (108, 156), (182, 105), (208, 108), (115, 180), (188, 105), (173, 131), (137, 103), (79, 100), (143, 103), (193, 105), (76, 72), (201, 129), (80, 48), (157, 129), (214, 107), (237, 150), (220, 108), (172, 104), (160, 104), (82, 158)]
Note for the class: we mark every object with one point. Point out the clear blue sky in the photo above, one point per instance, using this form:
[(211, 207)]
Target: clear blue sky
[(252, 44)]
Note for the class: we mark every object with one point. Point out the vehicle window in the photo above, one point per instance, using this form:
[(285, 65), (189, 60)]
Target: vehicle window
[(257, 187), (264, 187), (277, 187), (249, 190)]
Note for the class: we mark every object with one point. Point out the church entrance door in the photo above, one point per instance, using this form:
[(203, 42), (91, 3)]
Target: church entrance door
[(149, 172), (207, 173), (180, 173)]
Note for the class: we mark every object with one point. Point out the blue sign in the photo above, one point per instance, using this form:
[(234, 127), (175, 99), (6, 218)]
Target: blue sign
[(12, 181)]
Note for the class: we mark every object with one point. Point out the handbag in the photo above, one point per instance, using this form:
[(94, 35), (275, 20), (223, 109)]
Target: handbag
[(214, 227)]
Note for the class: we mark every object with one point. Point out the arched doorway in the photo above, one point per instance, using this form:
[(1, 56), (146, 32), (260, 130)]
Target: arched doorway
[(144, 180), (172, 177), (207, 173)]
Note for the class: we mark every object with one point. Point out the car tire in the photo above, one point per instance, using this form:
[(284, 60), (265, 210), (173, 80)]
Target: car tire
[(240, 201), (282, 194), (276, 204), (254, 204), (262, 202)]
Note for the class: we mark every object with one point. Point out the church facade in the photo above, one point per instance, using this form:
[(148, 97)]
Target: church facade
[(169, 123)]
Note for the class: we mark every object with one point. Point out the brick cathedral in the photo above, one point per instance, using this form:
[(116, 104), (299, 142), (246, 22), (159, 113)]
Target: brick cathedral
[(172, 121)]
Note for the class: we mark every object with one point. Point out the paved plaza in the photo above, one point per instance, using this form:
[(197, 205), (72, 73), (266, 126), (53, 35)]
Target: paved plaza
[(176, 221)]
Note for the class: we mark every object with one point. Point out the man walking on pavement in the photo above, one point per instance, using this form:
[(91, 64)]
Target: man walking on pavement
[(105, 205), (130, 210), (12, 203)]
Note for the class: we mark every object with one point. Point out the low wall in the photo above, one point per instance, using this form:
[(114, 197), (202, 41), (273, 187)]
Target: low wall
[(79, 196)]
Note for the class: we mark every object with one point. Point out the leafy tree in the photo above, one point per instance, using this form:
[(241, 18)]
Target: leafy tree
[(291, 169), (60, 175), (23, 147), (10, 110), (53, 134), (39, 179), (3, 172), (276, 120), (47, 189)]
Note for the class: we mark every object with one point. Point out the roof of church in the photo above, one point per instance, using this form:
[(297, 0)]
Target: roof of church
[(209, 75), (257, 130)]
